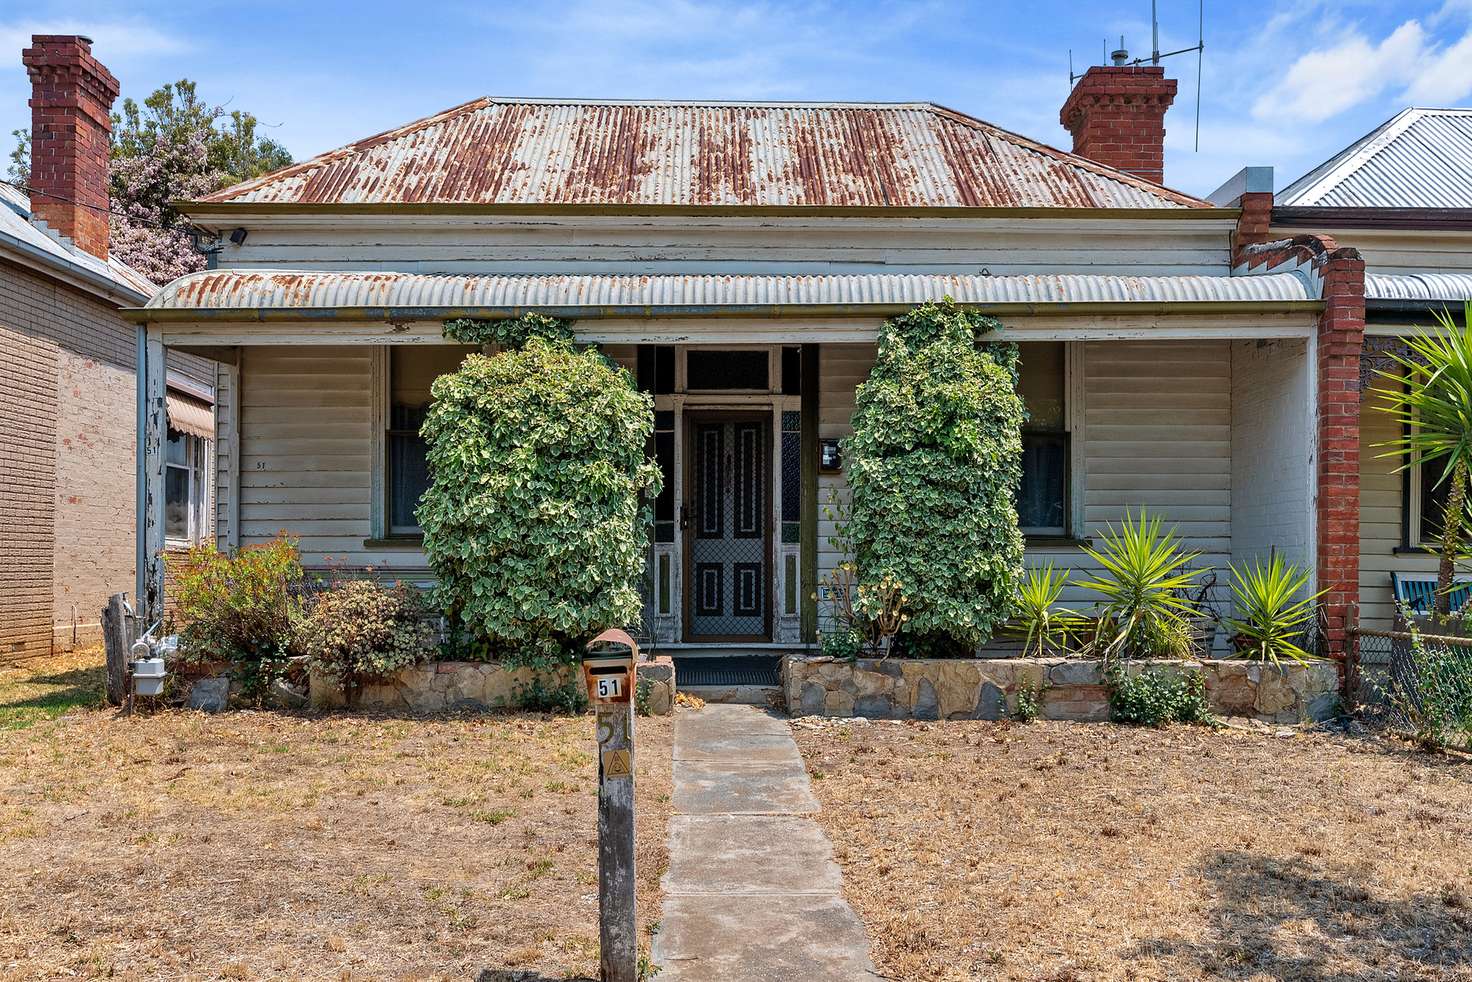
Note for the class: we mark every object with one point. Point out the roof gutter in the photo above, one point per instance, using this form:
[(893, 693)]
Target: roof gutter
[(774, 311), (25, 254), (236, 209)]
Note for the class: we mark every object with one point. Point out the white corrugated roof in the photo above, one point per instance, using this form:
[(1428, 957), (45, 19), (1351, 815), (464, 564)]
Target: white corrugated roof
[(1456, 287), (1420, 158), (246, 289), (31, 241)]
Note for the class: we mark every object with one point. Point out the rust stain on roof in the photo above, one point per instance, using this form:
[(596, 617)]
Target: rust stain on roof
[(515, 152)]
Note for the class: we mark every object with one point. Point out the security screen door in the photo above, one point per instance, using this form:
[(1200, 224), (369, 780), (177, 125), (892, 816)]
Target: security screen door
[(727, 528)]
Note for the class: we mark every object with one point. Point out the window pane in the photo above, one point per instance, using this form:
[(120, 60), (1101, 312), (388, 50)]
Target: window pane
[(412, 370), (1042, 501), (791, 477), (408, 479), (1433, 500), (664, 453), (176, 450), (176, 502), (705, 369), (1041, 384)]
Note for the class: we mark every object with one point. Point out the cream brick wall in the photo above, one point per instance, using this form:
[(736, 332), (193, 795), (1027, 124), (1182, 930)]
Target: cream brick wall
[(77, 445), (27, 488)]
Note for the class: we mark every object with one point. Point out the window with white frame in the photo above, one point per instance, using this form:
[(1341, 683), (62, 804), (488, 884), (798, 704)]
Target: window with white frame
[(186, 488), (1043, 500)]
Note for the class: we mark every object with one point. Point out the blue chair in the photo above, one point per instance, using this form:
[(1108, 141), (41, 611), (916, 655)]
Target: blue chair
[(1418, 593)]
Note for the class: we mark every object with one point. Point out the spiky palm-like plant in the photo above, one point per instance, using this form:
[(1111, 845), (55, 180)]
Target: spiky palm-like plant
[(1045, 628), (1271, 611), (1432, 398), (1145, 579)]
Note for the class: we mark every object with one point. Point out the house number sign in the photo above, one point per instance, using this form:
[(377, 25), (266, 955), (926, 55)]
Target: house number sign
[(609, 677)]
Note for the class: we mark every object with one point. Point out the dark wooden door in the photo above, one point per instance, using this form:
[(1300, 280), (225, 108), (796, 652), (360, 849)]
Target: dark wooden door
[(728, 526)]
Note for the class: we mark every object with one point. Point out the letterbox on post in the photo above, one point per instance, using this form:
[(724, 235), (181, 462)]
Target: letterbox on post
[(609, 676)]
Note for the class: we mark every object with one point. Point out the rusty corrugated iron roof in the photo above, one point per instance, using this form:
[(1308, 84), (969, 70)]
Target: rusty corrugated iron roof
[(278, 290), (839, 155)]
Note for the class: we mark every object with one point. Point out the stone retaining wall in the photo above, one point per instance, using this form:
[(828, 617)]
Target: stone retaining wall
[(1070, 689), (436, 687)]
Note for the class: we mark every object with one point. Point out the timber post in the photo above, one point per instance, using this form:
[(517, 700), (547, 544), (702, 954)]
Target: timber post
[(119, 631), (610, 681)]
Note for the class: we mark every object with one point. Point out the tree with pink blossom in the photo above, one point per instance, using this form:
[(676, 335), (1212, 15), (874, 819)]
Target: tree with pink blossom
[(171, 148)]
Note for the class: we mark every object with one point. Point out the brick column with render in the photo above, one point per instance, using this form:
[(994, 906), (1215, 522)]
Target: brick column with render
[(1116, 114), (71, 105), (1340, 272)]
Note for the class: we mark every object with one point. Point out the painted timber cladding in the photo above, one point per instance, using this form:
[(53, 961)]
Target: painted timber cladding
[(554, 152), (1156, 435), (590, 243), (1381, 521), (1400, 251)]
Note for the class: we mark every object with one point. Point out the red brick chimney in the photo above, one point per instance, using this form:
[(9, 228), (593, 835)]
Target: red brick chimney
[(71, 105), (1116, 114)]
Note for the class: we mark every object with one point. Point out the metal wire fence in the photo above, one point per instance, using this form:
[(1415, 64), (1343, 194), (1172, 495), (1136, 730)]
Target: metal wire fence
[(1424, 676)]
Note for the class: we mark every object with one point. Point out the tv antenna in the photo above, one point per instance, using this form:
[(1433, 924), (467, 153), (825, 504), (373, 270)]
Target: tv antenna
[(1121, 57)]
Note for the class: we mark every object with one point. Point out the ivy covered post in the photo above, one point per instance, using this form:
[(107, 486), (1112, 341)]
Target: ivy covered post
[(934, 466), (537, 515)]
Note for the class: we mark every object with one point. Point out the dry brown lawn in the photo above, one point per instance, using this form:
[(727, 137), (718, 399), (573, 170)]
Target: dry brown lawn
[(277, 845), (1066, 851)]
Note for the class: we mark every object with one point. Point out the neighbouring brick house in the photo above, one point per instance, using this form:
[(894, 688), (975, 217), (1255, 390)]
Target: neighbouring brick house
[(739, 259), (68, 390)]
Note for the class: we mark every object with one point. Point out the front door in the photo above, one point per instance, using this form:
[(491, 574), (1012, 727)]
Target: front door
[(727, 528)]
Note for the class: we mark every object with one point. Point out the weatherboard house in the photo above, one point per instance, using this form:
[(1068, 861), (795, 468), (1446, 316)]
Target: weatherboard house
[(739, 259)]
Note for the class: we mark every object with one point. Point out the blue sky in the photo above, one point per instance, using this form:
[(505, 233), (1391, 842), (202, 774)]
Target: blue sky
[(1288, 90)]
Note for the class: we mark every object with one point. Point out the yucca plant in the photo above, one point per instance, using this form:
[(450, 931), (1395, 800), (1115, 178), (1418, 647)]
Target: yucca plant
[(1045, 628), (1144, 577), (1431, 396), (1272, 612)]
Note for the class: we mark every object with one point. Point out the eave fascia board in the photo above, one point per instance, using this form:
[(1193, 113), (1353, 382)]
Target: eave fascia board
[(24, 254)]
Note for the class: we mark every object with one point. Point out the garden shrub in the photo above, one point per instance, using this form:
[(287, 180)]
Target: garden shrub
[(360, 631), (934, 465), (1155, 697), (547, 693), (508, 333), (537, 515), (242, 609)]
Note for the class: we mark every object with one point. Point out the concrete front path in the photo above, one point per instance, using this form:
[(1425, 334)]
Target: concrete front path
[(752, 892)]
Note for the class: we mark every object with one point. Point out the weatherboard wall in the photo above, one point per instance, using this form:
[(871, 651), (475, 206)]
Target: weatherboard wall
[(548, 243)]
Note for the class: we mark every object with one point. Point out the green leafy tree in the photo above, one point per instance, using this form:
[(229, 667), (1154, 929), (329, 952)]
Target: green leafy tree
[(934, 465), (1431, 396), (537, 515)]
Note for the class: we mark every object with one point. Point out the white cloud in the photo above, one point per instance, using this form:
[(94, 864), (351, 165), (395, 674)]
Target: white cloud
[(1443, 78), (1328, 81), (111, 41)]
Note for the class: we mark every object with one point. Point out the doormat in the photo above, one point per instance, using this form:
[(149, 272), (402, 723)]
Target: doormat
[(728, 670)]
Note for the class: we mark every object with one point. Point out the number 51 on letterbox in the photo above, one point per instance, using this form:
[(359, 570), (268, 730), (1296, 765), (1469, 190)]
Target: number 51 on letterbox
[(610, 678)]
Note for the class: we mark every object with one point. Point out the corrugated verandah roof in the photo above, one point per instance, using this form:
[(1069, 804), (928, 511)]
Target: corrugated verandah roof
[(280, 290), (841, 155)]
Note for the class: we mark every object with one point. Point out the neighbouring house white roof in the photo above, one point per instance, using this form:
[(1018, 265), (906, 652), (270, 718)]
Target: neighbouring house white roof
[(1419, 287), (24, 240), (1420, 158), (560, 152), (246, 290)]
